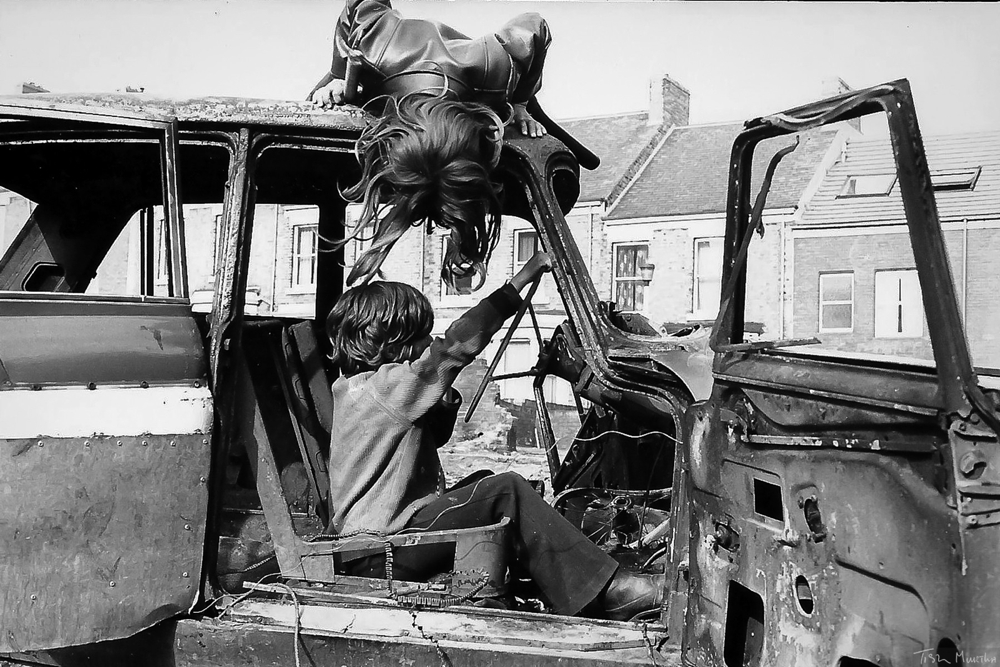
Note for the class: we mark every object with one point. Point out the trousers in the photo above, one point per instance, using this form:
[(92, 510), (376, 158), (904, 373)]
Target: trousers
[(568, 568)]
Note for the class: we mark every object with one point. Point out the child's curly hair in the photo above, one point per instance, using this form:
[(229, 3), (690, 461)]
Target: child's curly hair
[(429, 158), (378, 323)]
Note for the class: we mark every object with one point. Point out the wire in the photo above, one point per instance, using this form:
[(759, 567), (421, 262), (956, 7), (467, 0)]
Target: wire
[(239, 599), (656, 554), (627, 435), (298, 621), (471, 497)]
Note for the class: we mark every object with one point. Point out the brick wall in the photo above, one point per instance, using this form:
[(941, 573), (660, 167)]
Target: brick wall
[(982, 317), (669, 298), (866, 254), (862, 255)]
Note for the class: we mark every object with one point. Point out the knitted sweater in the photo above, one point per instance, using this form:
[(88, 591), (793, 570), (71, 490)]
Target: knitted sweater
[(388, 424)]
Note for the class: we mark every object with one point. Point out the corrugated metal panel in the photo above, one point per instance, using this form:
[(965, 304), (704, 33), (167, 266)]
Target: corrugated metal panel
[(874, 156)]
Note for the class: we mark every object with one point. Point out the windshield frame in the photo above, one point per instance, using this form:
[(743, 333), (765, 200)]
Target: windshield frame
[(956, 377)]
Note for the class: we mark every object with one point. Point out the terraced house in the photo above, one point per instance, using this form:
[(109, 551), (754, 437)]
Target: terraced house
[(854, 283)]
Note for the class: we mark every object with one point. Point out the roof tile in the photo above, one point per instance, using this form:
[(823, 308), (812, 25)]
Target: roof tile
[(617, 140), (688, 174), (944, 152)]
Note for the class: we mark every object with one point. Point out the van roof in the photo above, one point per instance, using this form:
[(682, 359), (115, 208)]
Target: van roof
[(201, 110)]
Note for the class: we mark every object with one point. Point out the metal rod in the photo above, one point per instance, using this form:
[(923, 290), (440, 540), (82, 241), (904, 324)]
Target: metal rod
[(513, 376), (534, 323), (543, 430), (503, 346)]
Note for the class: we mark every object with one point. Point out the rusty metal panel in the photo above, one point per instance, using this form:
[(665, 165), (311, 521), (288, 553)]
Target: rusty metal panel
[(100, 537)]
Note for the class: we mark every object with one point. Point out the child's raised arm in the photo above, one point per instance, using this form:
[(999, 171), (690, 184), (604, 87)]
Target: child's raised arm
[(411, 389)]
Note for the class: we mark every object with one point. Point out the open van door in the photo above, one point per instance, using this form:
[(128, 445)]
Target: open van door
[(105, 411)]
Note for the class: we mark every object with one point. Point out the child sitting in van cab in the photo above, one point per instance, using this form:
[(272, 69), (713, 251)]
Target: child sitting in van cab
[(394, 406)]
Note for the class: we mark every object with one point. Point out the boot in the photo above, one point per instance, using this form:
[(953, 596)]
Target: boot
[(630, 593)]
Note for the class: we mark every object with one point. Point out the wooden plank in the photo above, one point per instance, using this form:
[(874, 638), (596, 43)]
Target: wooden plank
[(457, 626), (214, 642), (378, 597)]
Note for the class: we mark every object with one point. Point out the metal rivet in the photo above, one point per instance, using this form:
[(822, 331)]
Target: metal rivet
[(173, 443), (34, 597), (197, 384), (92, 386), (973, 520), (41, 444), (204, 441), (185, 575), (144, 384), (119, 443), (112, 584), (145, 443), (203, 480), (187, 526), (86, 443)]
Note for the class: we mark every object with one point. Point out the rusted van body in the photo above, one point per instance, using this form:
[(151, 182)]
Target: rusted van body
[(164, 464)]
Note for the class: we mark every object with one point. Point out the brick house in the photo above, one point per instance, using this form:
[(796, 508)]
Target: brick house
[(854, 283), (666, 207)]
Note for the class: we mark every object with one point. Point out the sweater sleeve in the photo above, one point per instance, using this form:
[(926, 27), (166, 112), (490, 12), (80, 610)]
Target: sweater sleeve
[(356, 21), (412, 389), (526, 39)]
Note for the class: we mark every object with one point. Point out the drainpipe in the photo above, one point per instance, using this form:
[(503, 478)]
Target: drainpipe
[(274, 262), (781, 277), (590, 250), (965, 272)]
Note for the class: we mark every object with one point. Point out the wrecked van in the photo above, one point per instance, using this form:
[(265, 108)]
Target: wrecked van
[(164, 453)]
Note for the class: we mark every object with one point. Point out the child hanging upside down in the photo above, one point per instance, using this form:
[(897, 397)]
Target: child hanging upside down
[(442, 101), (394, 406)]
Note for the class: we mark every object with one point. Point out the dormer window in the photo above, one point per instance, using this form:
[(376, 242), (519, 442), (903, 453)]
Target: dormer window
[(955, 179), (870, 185)]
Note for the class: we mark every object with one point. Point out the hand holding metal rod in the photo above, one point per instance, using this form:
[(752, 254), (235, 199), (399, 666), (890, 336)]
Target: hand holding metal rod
[(532, 272), (525, 304)]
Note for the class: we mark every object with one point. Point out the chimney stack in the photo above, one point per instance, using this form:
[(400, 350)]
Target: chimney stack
[(669, 102)]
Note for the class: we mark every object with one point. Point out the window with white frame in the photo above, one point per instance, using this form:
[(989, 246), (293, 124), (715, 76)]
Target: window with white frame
[(955, 179), (462, 285), (898, 305), (526, 244), (836, 302), (868, 185), (304, 256), (629, 289), (707, 288)]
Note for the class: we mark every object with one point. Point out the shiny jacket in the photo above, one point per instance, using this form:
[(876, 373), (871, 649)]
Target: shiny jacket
[(395, 55)]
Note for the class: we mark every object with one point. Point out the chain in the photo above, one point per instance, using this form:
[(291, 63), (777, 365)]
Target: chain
[(413, 600), (649, 644)]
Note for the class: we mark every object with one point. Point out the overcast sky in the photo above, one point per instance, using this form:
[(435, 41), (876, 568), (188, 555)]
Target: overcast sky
[(739, 60)]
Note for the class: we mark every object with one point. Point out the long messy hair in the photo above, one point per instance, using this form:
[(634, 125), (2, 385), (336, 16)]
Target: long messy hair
[(378, 323), (427, 159)]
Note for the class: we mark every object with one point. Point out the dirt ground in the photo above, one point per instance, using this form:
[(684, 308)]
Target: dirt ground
[(487, 452)]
